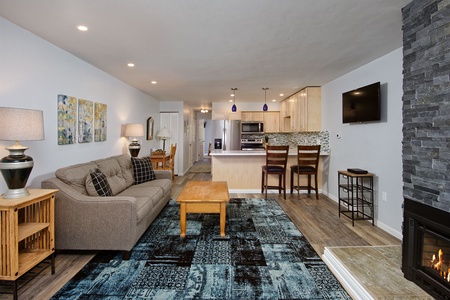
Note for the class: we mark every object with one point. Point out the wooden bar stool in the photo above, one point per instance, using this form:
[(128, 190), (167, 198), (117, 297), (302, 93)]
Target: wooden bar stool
[(276, 160), (307, 164)]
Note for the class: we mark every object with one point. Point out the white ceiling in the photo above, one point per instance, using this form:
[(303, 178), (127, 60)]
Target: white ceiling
[(197, 50)]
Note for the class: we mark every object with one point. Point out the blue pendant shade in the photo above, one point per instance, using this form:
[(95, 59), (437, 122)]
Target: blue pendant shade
[(265, 107), (234, 107)]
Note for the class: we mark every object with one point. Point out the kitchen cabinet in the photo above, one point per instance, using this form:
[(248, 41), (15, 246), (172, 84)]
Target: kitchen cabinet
[(225, 115), (252, 116), (302, 111), (271, 121), (234, 116)]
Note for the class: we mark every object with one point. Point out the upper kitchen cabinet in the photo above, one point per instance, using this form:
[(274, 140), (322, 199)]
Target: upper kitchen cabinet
[(250, 116), (225, 115), (303, 111), (234, 115), (271, 121)]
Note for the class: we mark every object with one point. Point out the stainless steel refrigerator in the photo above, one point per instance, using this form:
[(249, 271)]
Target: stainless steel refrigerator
[(229, 132)]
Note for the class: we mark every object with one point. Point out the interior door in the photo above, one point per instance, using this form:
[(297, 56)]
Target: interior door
[(171, 122), (200, 139)]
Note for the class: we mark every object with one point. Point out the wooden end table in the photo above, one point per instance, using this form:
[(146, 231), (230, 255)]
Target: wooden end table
[(159, 159), (203, 197), (27, 234)]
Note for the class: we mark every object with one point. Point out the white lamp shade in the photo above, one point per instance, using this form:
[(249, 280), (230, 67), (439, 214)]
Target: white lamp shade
[(19, 124), (132, 130), (164, 134)]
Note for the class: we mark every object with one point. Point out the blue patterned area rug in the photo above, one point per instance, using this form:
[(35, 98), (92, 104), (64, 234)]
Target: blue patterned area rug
[(262, 256)]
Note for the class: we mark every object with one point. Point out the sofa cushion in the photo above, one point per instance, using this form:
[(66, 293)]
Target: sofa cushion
[(97, 184), (111, 168), (75, 175), (143, 170), (127, 169), (146, 198), (164, 184)]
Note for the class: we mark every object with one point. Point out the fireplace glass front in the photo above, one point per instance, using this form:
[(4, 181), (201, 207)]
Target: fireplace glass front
[(426, 248), (435, 259)]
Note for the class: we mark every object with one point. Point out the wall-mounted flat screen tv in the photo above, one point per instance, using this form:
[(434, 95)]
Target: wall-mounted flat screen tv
[(362, 104)]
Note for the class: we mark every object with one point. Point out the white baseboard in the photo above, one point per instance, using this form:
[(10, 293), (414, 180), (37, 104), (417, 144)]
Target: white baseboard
[(351, 285), (379, 224)]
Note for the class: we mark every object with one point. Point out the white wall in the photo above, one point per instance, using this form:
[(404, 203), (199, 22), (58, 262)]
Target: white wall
[(373, 146), (33, 72)]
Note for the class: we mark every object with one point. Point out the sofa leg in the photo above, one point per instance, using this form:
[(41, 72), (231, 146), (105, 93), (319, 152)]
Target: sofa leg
[(126, 255)]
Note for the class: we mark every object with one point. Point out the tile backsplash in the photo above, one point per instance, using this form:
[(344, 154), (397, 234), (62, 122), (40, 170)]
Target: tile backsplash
[(301, 138)]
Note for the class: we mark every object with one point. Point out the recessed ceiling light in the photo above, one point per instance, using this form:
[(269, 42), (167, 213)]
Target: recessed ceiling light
[(281, 95), (232, 95), (231, 100), (82, 28), (273, 100), (153, 82), (131, 65)]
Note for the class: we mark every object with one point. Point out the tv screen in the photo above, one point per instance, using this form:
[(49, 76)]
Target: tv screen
[(362, 104)]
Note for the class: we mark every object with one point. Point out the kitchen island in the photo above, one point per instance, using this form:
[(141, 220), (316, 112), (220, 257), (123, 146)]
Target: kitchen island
[(242, 169)]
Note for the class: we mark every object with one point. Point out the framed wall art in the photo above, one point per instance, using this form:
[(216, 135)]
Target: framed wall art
[(100, 122), (150, 123), (85, 120), (67, 120)]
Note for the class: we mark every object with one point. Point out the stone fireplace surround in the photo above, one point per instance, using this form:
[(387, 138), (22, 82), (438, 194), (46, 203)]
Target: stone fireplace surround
[(426, 119)]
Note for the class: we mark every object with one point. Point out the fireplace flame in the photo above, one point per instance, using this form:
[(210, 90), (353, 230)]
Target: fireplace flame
[(440, 266)]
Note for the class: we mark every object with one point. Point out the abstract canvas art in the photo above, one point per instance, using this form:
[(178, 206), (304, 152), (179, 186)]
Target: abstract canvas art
[(85, 120), (67, 118), (100, 122)]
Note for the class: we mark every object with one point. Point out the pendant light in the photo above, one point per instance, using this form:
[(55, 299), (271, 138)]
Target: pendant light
[(265, 107), (234, 107)]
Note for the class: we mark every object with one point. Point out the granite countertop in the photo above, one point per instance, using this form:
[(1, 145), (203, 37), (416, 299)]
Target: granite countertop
[(252, 153)]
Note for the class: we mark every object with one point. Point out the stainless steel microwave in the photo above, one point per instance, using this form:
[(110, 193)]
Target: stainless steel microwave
[(252, 127)]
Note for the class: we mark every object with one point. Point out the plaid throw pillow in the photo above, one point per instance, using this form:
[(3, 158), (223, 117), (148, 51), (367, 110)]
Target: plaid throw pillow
[(100, 183), (143, 170)]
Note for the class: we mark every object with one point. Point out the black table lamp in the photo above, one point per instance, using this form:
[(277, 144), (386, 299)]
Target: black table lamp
[(133, 131), (17, 124)]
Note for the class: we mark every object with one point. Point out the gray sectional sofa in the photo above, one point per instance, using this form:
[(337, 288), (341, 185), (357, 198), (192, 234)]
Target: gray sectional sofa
[(86, 221)]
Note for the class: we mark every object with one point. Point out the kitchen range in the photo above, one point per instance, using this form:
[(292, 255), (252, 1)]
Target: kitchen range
[(252, 142)]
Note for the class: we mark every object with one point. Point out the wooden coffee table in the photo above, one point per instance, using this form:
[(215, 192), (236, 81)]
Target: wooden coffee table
[(203, 197)]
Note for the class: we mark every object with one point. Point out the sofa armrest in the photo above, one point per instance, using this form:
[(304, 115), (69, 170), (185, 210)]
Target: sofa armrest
[(85, 222), (163, 174)]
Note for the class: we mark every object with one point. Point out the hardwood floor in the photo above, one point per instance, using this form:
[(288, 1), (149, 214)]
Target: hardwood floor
[(317, 219)]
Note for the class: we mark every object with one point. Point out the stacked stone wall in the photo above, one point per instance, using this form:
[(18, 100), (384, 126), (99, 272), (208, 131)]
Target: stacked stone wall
[(426, 102)]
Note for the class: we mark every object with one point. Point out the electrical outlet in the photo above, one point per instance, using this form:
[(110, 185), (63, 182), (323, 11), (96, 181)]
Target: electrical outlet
[(384, 196)]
